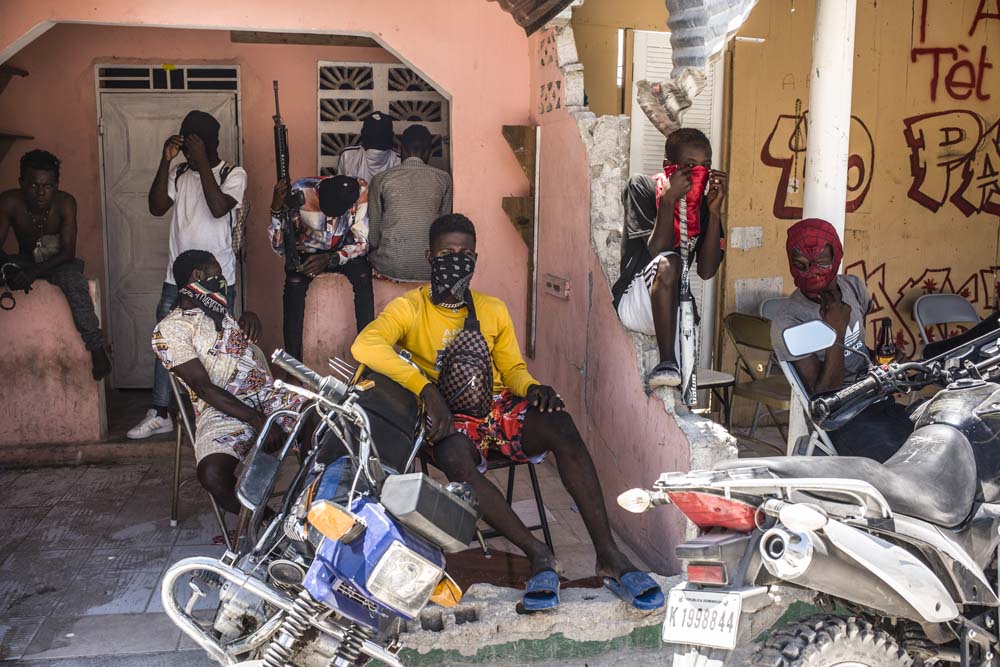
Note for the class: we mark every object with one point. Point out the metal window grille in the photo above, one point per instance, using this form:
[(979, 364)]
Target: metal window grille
[(348, 92), (167, 78)]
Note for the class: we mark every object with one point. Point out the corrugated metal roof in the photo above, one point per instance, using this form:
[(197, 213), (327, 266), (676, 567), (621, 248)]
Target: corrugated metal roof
[(533, 14), (699, 29)]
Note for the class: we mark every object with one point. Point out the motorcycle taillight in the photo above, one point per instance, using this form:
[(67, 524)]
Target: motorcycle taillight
[(707, 510)]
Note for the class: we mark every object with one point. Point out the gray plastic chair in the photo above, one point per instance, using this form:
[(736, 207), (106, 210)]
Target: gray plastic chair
[(769, 308), (932, 309)]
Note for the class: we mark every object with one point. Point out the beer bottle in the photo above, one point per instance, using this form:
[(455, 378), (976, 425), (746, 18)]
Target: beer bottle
[(885, 348)]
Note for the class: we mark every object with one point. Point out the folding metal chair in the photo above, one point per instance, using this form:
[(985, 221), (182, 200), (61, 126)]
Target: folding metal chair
[(817, 437), (932, 309), (749, 332), (185, 413)]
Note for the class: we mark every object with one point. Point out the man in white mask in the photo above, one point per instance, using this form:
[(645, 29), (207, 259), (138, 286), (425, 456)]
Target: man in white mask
[(375, 154)]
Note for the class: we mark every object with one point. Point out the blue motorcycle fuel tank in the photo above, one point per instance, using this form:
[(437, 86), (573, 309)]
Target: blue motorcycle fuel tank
[(339, 574)]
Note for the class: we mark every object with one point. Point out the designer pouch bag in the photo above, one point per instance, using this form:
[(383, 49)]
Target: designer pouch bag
[(466, 377)]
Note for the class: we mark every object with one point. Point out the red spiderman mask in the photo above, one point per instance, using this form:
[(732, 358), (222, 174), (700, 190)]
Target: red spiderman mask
[(809, 237), (699, 179)]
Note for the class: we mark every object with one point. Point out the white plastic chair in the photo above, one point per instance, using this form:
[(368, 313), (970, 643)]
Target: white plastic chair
[(932, 309)]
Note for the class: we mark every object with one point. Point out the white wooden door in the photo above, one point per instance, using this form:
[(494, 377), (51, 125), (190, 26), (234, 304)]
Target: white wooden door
[(652, 60), (134, 126)]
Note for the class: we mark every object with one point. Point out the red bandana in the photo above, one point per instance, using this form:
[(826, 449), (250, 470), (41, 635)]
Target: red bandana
[(699, 180), (809, 237)]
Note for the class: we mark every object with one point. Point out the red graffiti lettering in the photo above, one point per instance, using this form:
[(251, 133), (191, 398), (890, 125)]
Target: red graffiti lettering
[(962, 78), (983, 15), (954, 157), (980, 289), (785, 149)]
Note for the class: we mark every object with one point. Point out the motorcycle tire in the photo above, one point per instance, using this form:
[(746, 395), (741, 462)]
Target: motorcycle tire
[(826, 641)]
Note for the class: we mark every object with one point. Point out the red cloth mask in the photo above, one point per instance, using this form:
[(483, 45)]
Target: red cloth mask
[(699, 180), (809, 237)]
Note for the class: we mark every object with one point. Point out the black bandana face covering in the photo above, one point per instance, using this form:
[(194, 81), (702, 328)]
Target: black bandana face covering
[(450, 278), (209, 296)]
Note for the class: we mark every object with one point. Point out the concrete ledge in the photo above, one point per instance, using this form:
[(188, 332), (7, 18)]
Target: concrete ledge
[(329, 328), (486, 628), (49, 394), (62, 454)]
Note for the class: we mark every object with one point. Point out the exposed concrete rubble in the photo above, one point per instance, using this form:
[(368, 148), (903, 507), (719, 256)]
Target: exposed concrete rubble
[(485, 627), (606, 139)]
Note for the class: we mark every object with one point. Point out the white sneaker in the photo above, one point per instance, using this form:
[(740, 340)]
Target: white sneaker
[(151, 425)]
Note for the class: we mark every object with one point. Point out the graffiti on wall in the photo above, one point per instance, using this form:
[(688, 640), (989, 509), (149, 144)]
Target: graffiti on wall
[(954, 157), (785, 149), (980, 288), (958, 71), (955, 154)]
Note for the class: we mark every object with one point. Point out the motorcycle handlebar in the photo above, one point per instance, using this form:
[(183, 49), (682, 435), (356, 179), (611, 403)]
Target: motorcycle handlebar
[(308, 377), (827, 405)]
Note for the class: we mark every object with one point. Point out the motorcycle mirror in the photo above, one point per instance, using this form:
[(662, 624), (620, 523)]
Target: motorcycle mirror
[(809, 337)]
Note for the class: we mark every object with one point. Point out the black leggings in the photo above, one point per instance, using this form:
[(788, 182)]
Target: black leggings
[(358, 271)]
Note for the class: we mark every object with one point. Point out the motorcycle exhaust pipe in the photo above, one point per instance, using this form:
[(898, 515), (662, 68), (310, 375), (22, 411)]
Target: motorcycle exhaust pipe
[(786, 554), (809, 560), (270, 595)]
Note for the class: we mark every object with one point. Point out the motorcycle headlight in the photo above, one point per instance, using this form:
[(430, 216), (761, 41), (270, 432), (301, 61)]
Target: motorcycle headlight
[(403, 579)]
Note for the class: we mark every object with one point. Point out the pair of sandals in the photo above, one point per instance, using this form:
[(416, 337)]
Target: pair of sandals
[(638, 589)]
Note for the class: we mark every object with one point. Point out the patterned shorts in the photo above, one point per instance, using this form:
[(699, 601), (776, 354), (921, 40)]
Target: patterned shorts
[(501, 429), (219, 433)]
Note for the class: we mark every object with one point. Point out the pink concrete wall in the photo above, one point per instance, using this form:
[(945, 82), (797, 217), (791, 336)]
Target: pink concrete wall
[(472, 50), (584, 351), (49, 395), (329, 327)]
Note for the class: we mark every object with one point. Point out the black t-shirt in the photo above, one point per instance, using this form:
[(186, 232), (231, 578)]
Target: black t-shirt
[(639, 199)]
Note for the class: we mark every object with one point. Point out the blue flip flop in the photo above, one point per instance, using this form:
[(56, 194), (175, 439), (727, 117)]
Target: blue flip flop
[(638, 589), (541, 592)]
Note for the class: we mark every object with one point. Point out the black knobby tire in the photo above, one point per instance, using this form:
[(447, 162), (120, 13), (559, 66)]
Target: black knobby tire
[(826, 641)]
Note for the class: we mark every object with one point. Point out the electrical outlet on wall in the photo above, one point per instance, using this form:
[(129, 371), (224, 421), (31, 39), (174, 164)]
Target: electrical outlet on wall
[(557, 287)]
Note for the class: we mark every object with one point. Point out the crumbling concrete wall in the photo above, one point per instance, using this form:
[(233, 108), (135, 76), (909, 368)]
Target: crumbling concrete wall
[(582, 348), (485, 627)]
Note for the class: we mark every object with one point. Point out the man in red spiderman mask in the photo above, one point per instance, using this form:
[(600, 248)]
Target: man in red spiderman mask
[(814, 255), (647, 293)]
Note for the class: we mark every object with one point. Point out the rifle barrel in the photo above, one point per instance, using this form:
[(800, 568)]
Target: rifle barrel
[(277, 112)]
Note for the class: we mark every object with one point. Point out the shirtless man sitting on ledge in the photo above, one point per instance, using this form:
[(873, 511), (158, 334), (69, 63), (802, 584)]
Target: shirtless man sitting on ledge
[(43, 218)]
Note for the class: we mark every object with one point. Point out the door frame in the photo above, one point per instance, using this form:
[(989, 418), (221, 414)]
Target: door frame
[(106, 282)]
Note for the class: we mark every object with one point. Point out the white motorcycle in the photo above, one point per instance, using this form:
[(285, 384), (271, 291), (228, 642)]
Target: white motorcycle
[(902, 556)]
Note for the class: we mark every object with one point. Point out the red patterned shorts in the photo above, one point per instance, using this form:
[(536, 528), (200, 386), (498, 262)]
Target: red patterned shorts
[(501, 429)]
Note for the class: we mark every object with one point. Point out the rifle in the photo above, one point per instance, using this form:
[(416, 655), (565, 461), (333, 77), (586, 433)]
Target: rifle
[(292, 200)]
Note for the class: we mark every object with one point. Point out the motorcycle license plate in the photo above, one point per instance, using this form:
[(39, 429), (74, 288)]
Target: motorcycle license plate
[(702, 618)]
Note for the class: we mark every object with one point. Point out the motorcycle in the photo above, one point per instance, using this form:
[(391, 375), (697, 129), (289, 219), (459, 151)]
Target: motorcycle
[(901, 556), (354, 549)]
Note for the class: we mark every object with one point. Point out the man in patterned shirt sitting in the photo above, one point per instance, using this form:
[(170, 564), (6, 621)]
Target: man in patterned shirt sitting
[(231, 387), (332, 237)]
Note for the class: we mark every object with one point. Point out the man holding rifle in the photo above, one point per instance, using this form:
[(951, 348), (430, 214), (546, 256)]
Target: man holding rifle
[(331, 236), (319, 225)]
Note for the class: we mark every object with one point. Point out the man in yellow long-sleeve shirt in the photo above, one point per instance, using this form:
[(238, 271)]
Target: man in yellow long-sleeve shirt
[(525, 422)]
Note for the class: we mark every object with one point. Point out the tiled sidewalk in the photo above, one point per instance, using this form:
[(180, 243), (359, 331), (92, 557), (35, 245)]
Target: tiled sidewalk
[(82, 550), (82, 553)]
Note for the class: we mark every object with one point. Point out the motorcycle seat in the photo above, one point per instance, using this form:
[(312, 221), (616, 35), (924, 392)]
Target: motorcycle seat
[(932, 477)]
